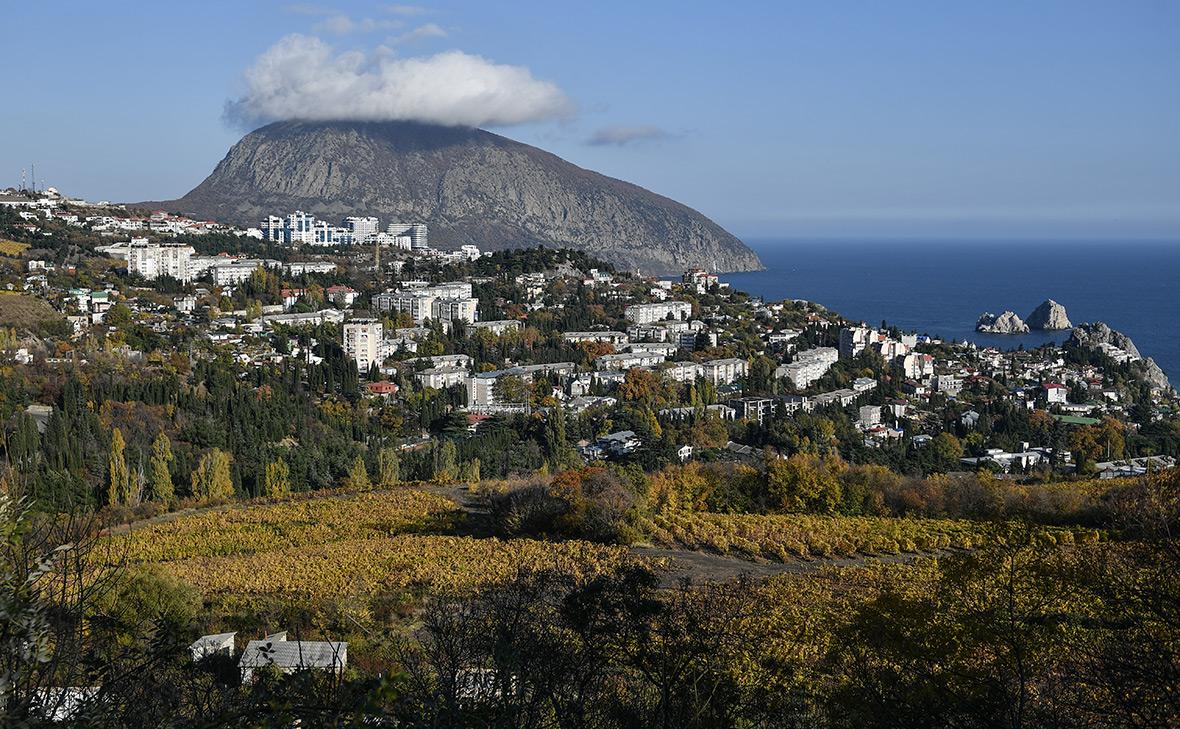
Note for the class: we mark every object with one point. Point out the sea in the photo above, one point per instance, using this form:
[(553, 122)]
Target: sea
[(941, 287)]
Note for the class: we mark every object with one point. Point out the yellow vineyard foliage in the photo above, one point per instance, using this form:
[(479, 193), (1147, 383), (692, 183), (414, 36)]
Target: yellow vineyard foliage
[(783, 537), (352, 545)]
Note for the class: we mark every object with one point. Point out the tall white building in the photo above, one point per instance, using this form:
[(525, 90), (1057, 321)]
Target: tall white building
[(445, 302), (361, 228), (362, 342), (152, 260), (809, 366), (454, 309), (416, 232), (648, 313), (724, 371), (274, 229), (301, 227)]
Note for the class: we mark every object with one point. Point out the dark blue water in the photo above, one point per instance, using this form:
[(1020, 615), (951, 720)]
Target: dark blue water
[(942, 288)]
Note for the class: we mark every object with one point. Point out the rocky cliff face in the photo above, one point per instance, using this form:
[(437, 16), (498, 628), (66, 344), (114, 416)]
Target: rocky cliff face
[(1049, 316), (1098, 333), (469, 185), (1006, 323), (1092, 336)]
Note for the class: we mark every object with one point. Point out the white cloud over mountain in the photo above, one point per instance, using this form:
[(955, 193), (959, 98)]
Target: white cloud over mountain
[(302, 77)]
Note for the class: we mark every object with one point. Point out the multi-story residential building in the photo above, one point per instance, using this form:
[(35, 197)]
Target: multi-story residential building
[(274, 229), (756, 409), (628, 360), (809, 366), (724, 371), (915, 365), (300, 228), (442, 377), (615, 338), (415, 231), (230, 271), (152, 260), (454, 309), (683, 371), (362, 342), (496, 327), (481, 387), (648, 313), (420, 302), (853, 341), (299, 268), (415, 303), (361, 227)]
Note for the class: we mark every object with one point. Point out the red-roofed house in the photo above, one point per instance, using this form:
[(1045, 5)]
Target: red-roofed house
[(1055, 392)]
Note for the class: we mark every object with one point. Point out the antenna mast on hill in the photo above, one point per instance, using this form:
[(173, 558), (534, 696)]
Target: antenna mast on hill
[(34, 178), (22, 179)]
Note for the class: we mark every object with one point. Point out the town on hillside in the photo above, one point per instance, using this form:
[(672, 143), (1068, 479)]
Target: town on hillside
[(459, 345)]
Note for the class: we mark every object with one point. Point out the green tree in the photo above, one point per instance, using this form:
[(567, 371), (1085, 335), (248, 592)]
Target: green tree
[(212, 478), (388, 467), (358, 476), (277, 479), (471, 471), (118, 476), (447, 464), (947, 450), (160, 468)]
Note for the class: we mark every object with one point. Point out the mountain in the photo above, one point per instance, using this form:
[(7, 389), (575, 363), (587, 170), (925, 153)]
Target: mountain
[(469, 185)]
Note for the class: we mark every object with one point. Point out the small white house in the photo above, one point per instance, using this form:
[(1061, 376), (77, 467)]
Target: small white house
[(211, 645)]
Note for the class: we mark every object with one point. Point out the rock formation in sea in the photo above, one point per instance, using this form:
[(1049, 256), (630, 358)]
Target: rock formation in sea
[(1006, 323), (1049, 316)]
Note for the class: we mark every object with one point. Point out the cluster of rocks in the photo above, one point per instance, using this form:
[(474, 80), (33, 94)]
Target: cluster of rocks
[(1049, 316), (1006, 323)]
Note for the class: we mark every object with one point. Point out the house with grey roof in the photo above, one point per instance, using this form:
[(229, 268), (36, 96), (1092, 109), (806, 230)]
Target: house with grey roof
[(290, 656), (210, 645)]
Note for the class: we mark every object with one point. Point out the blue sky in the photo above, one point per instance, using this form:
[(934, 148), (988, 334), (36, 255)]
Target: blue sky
[(777, 119)]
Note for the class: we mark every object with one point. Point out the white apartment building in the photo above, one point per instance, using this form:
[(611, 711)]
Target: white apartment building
[(274, 229), (454, 309), (648, 313), (809, 366), (300, 227), (152, 260), (496, 327), (415, 303), (853, 341), (683, 371), (605, 337), (628, 360), (442, 377), (228, 272), (415, 231), (419, 303), (361, 227), (362, 342), (724, 371), (481, 387), (299, 268)]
